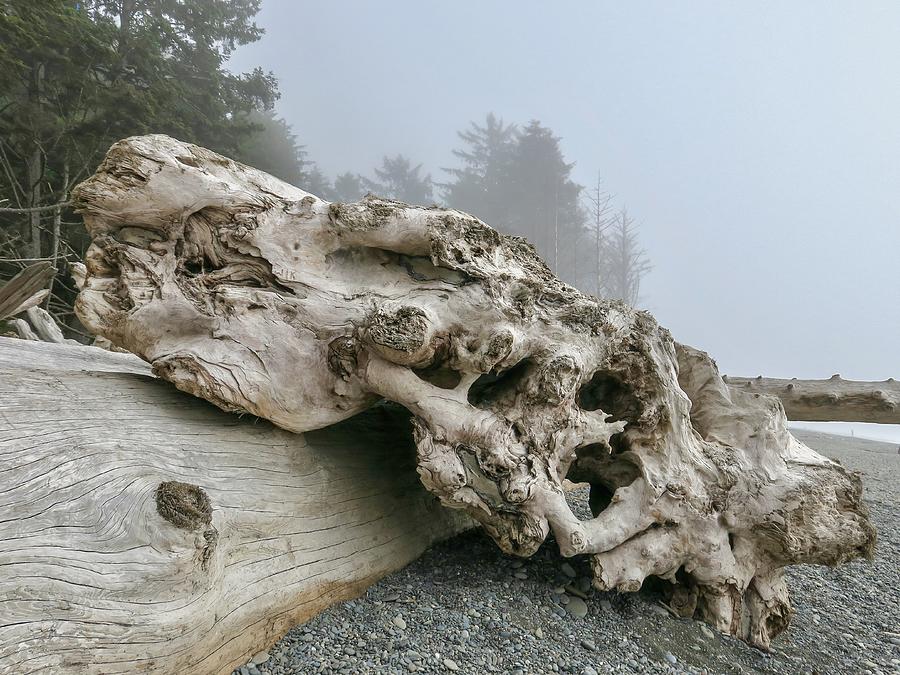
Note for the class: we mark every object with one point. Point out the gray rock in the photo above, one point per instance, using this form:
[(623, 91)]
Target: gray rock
[(259, 658), (450, 664), (568, 570), (671, 658), (577, 608), (589, 645), (399, 622)]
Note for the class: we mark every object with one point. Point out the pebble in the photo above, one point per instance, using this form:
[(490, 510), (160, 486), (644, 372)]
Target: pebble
[(450, 664), (588, 670), (399, 622), (572, 590), (659, 610), (577, 608), (520, 575), (260, 658), (454, 605), (568, 570)]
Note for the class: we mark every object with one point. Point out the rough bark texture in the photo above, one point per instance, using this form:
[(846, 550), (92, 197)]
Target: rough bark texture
[(831, 400), (144, 531), (260, 297)]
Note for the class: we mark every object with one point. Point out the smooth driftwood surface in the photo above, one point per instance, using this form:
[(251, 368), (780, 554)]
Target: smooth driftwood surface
[(260, 297), (831, 400), (145, 531)]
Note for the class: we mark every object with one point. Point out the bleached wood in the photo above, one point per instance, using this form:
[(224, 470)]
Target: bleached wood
[(23, 328), (94, 580), (44, 325), (26, 289), (261, 297), (831, 400)]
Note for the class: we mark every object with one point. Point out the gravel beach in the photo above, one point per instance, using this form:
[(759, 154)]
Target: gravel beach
[(464, 607)]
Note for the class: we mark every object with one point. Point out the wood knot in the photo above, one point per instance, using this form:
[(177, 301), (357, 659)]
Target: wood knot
[(184, 505)]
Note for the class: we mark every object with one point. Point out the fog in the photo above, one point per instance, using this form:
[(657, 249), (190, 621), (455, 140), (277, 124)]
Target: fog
[(756, 144)]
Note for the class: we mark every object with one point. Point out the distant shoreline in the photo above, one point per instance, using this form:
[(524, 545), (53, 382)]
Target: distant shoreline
[(884, 433)]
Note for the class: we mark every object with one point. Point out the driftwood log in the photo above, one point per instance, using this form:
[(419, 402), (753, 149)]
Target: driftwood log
[(262, 298), (831, 400), (145, 531)]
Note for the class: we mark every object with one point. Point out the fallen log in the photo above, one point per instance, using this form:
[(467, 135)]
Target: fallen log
[(831, 400), (263, 298), (144, 531)]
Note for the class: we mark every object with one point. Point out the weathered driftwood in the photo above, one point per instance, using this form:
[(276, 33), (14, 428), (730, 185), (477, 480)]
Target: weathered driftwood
[(26, 289), (260, 297), (145, 531), (831, 400)]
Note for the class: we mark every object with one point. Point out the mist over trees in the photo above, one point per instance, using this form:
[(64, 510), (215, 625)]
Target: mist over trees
[(519, 181), (77, 76), (397, 178)]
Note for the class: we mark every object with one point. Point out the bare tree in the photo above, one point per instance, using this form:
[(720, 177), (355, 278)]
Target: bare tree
[(600, 217), (624, 262)]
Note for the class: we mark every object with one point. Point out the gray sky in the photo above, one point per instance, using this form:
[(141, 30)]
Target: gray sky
[(757, 143)]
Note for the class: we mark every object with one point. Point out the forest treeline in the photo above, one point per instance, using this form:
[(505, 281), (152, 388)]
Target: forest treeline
[(77, 76)]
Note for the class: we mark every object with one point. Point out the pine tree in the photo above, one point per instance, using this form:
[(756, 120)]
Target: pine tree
[(398, 179), (519, 182), (273, 147), (349, 187), (481, 186), (543, 202), (77, 76)]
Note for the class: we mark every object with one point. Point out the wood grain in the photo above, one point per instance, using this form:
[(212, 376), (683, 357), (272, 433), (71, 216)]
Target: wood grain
[(94, 580)]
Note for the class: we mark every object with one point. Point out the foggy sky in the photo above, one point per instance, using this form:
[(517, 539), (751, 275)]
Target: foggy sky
[(757, 144)]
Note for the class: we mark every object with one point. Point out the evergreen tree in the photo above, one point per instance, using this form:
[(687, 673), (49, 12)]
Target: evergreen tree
[(481, 186), (316, 182), (272, 147), (169, 67), (349, 187), (519, 182), (543, 202), (398, 179), (77, 76)]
